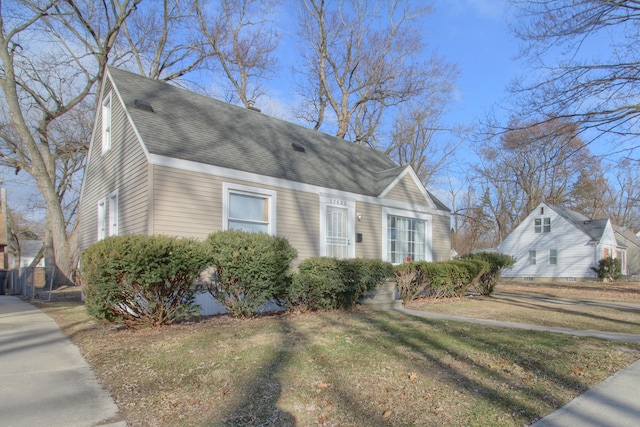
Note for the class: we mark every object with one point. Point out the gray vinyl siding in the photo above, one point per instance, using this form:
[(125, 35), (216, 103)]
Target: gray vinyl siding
[(406, 190), (371, 228), (123, 168), (185, 204), (441, 237), (189, 204)]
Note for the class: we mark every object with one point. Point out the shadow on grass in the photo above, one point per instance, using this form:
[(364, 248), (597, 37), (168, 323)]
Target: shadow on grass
[(486, 383), (260, 393), (545, 306)]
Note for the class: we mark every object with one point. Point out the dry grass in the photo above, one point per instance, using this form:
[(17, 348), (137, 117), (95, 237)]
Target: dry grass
[(338, 369), (611, 307)]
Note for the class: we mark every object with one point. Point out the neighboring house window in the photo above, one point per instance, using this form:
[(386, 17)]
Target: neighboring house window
[(106, 123), (249, 208), (407, 237), (113, 213), (532, 257), (102, 219), (542, 225), (553, 257)]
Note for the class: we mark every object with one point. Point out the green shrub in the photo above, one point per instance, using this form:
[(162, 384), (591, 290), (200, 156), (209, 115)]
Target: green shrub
[(442, 279), (318, 285), (250, 269), (329, 283), (608, 268), (142, 280), (497, 263)]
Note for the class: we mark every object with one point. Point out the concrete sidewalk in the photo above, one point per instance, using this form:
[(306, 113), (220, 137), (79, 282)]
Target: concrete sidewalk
[(44, 381), (615, 402)]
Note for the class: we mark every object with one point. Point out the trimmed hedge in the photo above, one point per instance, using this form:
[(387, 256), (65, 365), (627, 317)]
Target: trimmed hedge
[(250, 269), (142, 280), (497, 263), (442, 279), (329, 283)]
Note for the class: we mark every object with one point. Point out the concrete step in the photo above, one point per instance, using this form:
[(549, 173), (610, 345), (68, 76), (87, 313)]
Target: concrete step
[(383, 298)]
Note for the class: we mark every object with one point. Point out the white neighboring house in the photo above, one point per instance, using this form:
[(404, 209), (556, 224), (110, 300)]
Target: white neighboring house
[(555, 242), (29, 249)]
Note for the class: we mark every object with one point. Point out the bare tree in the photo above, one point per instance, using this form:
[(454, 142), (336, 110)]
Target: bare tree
[(591, 194), (587, 60), (359, 60), (473, 226), (52, 54), (528, 165), (625, 188), (160, 41), (415, 130), (53, 57), (241, 45)]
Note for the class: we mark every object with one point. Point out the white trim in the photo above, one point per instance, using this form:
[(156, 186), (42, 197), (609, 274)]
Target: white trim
[(271, 195), (408, 170), (114, 216), (407, 214), (114, 88), (102, 218), (107, 129), (337, 201), (223, 172)]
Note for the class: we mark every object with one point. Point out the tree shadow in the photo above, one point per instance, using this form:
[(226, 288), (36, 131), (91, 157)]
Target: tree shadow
[(392, 329), (544, 306), (261, 392)]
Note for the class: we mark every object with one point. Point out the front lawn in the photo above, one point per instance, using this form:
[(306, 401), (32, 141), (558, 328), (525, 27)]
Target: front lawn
[(611, 307), (348, 368)]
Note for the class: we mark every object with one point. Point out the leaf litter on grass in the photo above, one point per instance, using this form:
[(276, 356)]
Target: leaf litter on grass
[(341, 368)]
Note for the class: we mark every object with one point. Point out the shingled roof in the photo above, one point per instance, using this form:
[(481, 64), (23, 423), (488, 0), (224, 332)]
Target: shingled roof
[(591, 227), (188, 126)]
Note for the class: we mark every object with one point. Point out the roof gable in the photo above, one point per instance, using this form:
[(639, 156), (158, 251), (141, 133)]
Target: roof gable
[(187, 126), (594, 228)]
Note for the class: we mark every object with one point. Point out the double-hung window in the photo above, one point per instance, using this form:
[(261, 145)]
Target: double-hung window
[(106, 123), (553, 257), (532, 257), (542, 225), (407, 236), (249, 209)]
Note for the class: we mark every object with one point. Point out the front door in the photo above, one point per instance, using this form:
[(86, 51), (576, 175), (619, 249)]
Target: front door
[(337, 228), (337, 232)]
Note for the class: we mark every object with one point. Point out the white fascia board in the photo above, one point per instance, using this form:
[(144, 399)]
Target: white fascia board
[(408, 170), (251, 177), (114, 89)]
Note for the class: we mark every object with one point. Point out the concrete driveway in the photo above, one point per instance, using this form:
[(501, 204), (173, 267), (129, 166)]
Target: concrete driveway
[(44, 381)]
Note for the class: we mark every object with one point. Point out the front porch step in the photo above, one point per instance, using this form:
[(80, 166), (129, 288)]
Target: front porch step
[(383, 298)]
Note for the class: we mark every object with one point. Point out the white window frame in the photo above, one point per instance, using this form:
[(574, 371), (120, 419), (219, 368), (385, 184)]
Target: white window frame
[(106, 123), (113, 213), (102, 218), (551, 257), (327, 200), (411, 215), (533, 257), (271, 195), (542, 225)]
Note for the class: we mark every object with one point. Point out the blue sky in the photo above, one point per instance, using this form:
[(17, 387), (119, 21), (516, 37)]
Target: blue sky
[(474, 35), (470, 33)]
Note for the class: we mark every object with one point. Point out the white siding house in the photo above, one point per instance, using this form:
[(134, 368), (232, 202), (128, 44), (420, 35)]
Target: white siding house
[(553, 242)]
